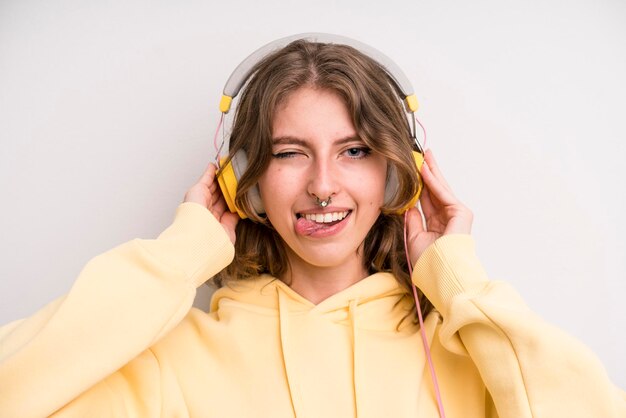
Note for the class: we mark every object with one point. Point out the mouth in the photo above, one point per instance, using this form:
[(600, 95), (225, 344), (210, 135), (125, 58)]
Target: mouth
[(321, 224), (324, 218)]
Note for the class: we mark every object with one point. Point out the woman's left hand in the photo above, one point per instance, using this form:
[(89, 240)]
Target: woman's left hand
[(442, 213)]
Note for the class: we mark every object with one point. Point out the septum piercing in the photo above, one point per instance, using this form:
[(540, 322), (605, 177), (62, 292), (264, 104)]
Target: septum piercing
[(322, 203)]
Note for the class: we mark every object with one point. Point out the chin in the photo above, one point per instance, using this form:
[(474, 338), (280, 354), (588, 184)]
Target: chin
[(327, 255)]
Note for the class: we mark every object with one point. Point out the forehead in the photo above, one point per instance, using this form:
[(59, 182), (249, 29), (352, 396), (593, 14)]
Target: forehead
[(310, 113)]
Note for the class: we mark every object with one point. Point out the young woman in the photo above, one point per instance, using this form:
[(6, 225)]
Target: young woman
[(315, 316)]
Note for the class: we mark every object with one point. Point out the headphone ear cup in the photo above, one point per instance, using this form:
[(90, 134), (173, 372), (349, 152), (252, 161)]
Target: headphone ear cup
[(418, 157), (228, 185), (229, 181), (391, 188)]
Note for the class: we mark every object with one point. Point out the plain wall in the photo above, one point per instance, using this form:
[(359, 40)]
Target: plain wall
[(107, 114)]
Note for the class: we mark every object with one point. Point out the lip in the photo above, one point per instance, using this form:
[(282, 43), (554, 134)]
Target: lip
[(328, 209)]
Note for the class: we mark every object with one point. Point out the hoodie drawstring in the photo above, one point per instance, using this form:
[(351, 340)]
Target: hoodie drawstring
[(355, 358)]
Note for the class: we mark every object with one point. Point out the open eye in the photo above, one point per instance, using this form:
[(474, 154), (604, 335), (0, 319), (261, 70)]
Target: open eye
[(358, 152)]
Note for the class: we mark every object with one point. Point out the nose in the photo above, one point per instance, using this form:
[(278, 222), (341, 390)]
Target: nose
[(323, 179)]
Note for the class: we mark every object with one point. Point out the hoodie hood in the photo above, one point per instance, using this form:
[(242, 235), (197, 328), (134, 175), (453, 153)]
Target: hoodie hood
[(374, 307), (383, 304)]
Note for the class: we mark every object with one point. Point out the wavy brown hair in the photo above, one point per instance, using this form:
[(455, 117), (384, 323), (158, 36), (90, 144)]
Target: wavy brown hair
[(380, 121)]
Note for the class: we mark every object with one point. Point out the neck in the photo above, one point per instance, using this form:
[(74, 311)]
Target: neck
[(317, 283)]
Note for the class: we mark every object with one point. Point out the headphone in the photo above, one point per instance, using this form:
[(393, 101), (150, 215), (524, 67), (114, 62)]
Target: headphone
[(231, 172)]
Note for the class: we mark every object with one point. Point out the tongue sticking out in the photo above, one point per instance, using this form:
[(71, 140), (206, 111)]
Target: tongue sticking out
[(307, 227)]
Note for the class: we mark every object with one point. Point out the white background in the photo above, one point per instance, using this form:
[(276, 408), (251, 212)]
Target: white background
[(107, 114)]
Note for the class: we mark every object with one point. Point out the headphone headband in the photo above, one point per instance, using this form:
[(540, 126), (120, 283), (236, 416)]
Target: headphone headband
[(239, 76)]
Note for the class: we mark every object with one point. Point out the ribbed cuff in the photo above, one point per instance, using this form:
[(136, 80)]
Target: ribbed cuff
[(449, 267)]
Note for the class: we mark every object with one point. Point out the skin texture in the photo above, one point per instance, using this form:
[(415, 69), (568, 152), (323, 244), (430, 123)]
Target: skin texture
[(318, 155)]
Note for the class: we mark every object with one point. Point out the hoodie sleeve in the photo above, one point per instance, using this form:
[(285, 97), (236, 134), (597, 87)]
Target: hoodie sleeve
[(123, 301), (530, 368)]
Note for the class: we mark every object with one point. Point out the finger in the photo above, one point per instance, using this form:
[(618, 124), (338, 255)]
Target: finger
[(219, 205), (436, 188), (214, 199), (215, 192), (429, 157), (426, 202), (414, 222), (208, 176)]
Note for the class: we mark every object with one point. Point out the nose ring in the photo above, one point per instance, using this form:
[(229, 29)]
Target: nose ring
[(322, 203)]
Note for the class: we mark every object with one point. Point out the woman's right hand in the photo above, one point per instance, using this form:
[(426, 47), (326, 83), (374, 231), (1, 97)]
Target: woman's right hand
[(442, 213), (207, 193)]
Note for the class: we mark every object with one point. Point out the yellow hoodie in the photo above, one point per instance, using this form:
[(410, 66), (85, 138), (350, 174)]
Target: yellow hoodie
[(126, 342)]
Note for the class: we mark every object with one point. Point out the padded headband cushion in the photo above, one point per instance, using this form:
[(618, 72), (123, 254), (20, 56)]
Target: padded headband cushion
[(243, 71)]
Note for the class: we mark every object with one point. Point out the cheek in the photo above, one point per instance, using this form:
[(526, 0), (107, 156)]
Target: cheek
[(376, 183), (268, 181), (276, 188)]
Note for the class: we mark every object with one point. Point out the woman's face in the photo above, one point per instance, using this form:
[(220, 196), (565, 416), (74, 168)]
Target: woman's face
[(316, 153)]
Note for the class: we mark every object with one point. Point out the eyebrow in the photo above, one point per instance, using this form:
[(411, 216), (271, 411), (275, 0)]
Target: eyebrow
[(292, 140)]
